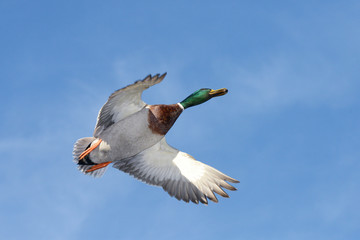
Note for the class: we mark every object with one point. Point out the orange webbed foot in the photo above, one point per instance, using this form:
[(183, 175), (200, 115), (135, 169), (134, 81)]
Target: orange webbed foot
[(98, 166)]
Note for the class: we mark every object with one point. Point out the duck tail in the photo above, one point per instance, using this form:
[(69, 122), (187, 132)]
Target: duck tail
[(84, 163)]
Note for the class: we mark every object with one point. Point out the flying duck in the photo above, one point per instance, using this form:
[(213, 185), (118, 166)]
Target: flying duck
[(130, 134)]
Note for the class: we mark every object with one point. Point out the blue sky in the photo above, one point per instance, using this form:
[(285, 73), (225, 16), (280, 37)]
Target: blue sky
[(288, 129)]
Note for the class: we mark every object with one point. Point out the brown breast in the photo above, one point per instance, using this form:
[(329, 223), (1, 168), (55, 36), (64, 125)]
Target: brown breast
[(161, 117)]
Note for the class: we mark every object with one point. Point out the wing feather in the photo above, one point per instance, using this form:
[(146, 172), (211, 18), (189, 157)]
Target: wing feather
[(124, 102), (177, 173)]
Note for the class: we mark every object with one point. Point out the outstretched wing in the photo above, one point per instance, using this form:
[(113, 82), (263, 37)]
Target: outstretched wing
[(177, 173), (124, 102)]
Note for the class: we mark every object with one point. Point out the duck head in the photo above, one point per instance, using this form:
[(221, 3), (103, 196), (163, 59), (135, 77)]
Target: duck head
[(201, 96)]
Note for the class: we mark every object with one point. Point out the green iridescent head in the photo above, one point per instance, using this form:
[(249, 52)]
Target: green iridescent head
[(201, 96)]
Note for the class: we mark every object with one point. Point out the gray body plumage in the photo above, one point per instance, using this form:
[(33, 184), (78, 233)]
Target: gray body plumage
[(118, 139)]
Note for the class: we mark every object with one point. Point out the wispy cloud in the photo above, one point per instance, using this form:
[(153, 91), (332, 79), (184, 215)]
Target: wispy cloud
[(44, 195), (283, 81), (130, 68)]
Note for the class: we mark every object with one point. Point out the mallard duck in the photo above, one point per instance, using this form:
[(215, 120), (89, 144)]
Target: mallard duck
[(130, 134)]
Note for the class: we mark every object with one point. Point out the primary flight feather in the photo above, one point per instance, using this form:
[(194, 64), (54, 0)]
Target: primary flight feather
[(130, 134)]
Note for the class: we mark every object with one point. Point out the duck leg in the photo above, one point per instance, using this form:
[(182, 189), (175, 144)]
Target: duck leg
[(98, 166), (91, 148)]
